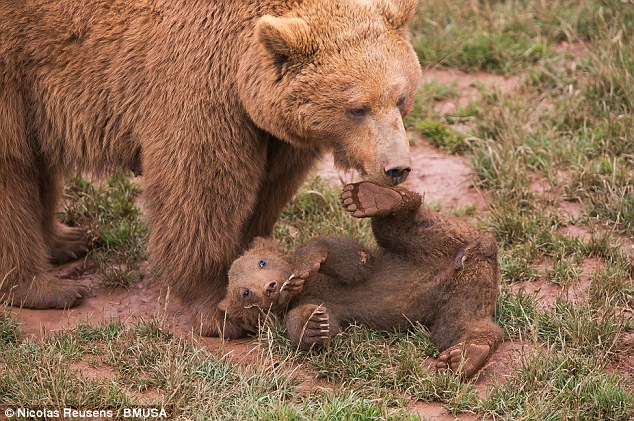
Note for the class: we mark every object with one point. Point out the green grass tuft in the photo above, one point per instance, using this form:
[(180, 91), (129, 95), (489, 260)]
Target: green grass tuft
[(441, 136), (114, 224)]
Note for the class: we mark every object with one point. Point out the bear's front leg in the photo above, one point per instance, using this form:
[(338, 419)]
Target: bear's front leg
[(343, 259), (310, 326), (198, 200), (287, 168), (308, 259)]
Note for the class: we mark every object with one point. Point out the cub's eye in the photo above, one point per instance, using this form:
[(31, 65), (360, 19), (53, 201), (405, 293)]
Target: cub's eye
[(246, 293), (359, 112), (401, 102), (261, 264)]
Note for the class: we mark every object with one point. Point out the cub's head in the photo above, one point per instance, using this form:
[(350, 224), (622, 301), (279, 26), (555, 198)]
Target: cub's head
[(255, 279), (339, 76)]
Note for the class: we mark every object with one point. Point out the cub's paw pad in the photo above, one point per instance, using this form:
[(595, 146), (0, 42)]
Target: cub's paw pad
[(367, 199), (464, 358), (317, 329)]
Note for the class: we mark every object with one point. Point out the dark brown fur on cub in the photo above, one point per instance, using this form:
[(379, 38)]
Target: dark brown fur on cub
[(429, 268)]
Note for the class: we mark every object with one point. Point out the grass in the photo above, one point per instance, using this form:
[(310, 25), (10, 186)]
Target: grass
[(114, 225), (551, 385), (317, 209), (562, 139), (440, 135), (147, 366)]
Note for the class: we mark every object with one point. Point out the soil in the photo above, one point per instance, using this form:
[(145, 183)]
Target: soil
[(444, 180), (465, 84)]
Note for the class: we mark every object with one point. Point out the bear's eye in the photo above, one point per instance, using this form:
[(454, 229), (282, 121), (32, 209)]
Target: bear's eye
[(246, 293), (359, 112), (261, 264)]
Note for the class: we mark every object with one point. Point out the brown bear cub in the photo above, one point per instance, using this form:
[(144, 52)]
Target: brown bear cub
[(428, 268)]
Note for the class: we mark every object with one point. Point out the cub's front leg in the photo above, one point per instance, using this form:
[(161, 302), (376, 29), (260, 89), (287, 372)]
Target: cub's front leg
[(311, 326), (343, 259)]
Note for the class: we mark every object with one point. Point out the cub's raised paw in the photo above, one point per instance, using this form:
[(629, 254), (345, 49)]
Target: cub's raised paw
[(316, 333), (307, 267), (293, 285), (464, 358), (366, 199)]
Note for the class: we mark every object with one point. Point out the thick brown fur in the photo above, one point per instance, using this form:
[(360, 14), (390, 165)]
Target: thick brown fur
[(429, 268), (223, 105)]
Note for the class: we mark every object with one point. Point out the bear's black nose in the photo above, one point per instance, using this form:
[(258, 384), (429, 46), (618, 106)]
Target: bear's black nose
[(398, 174)]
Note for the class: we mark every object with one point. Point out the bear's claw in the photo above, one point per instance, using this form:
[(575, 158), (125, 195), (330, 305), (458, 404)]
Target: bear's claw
[(317, 329), (293, 285)]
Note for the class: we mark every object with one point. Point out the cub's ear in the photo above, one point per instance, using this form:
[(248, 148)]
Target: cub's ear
[(397, 12), (283, 37), (266, 243), (223, 305)]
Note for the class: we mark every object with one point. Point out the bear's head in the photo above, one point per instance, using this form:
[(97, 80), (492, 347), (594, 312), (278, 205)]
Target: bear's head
[(339, 76), (255, 280)]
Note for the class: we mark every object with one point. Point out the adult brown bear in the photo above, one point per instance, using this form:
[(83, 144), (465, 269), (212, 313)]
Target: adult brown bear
[(224, 104), (428, 268)]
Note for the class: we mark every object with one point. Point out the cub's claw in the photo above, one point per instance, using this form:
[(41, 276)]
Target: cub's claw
[(317, 329), (293, 285), (307, 268)]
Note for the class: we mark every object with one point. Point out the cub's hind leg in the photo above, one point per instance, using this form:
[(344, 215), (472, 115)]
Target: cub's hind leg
[(469, 355), (465, 331)]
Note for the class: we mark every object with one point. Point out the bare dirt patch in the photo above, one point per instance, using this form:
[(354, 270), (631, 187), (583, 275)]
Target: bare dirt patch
[(467, 86), (547, 292), (91, 371), (624, 359), (444, 180), (435, 411), (501, 365)]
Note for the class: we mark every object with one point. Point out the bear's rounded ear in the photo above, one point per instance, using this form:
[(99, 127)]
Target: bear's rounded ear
[(283, 37), (397, 12)]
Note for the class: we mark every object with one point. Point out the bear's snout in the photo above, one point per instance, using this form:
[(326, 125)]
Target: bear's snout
[(397, 174)]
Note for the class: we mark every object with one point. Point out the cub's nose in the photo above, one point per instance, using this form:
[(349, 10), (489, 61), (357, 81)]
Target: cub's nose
[(270, 289), (398, 174)]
